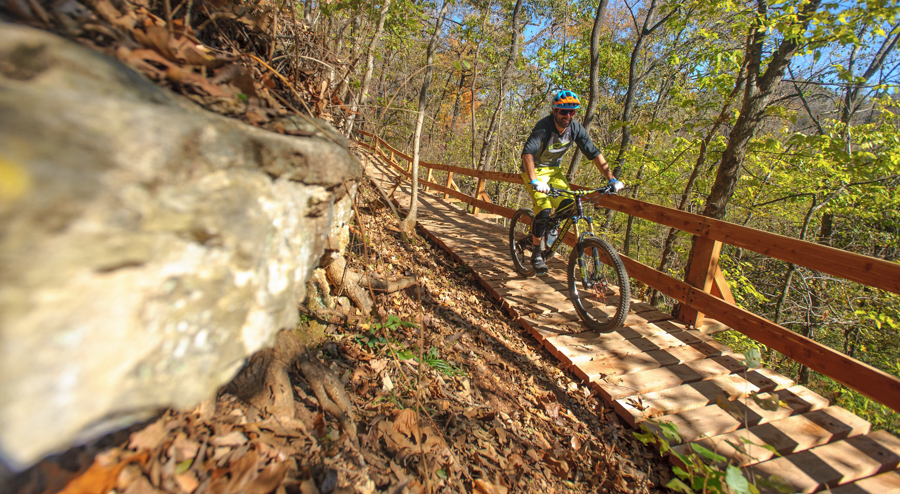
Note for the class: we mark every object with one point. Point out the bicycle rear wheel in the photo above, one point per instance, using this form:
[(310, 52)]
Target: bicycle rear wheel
[(520, 243), (598, 284)]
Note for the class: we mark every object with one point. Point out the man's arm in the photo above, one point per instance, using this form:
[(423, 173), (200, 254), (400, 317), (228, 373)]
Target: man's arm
[(602, 165), (528, 166)]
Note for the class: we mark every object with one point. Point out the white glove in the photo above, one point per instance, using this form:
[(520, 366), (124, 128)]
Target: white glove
[(539, 186), (617, 185)]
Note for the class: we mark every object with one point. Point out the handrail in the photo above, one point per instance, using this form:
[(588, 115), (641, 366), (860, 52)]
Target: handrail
[(874, 383), (862, 269)]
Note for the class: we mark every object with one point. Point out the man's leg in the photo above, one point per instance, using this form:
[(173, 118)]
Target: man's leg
[(543, 205), (541, 221)]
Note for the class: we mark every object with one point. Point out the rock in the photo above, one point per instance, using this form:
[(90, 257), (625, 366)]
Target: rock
[(147, 247)]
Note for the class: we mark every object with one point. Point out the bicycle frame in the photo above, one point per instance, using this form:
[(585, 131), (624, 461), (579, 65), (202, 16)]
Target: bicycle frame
[(576, 217)]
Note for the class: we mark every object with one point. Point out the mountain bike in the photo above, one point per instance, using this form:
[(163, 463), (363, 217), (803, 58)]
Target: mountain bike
[(598, 283)]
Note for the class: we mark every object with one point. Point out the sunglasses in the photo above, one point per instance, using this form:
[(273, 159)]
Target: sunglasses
[(566, 112)]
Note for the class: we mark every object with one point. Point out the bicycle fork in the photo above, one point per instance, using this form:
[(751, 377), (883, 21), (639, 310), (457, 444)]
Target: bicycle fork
[(597, 284)]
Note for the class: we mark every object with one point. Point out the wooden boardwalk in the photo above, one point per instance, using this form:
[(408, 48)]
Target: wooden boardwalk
[(657, 368)]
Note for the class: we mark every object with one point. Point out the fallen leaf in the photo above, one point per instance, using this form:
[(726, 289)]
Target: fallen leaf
[(386, 383), (378, 365), (485, 487), (150, 437), (552, 409), (233, 438), (187, 481), (268, 479), (101, 477), (560, 468), (576, 443), (407, 422)]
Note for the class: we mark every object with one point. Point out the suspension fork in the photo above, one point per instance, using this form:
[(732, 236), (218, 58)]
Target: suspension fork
[(579, 215)]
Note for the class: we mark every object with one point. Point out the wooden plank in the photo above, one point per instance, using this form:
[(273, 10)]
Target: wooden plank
[(720, 287), (649, 360), (449, 184), (789, 435), (883, 483), (649, 329), (682, 398), (615, 388), (652, 316), (835, 463), (874, 383), (704, 264), (479, 190), (835, 417), (713, 420), (612, 346), (697, 423), (768, 380)]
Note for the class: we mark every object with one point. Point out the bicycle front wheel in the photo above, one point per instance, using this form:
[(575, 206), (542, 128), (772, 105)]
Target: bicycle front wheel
[(520, 243), (598, 284)]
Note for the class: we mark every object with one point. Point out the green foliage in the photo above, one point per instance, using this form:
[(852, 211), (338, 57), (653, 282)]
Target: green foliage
[(433, 360), (379, 338), (702, 468), (880, 416), (378, 334)]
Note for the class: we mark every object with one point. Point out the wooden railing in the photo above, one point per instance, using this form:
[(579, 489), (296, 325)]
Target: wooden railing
[(705, 292)]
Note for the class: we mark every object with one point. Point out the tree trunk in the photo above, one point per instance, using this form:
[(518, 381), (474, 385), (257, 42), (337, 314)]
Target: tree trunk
[(408, 225), (370, 69), (757, 96), (489, 143), (459, 94), (634, 80), (595, 85)]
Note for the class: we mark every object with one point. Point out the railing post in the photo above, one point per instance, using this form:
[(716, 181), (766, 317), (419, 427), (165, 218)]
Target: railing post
[(479, 189), (449, 184), (704, 265), (428, 179)]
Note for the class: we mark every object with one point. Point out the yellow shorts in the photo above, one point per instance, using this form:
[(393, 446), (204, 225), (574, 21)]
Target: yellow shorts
[(554, 176)]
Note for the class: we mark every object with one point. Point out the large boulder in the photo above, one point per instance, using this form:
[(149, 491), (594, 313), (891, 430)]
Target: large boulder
[(147, 247)]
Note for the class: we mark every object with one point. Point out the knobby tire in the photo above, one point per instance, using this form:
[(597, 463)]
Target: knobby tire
[(592, 303), (519, 235)]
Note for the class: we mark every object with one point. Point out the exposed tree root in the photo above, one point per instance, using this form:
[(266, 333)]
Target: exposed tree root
[(264, 382), (347, 281), (330, 392), (355, 285), (380, 285)]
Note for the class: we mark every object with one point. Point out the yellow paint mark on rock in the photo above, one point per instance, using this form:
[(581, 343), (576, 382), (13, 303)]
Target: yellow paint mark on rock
[(15, 181)]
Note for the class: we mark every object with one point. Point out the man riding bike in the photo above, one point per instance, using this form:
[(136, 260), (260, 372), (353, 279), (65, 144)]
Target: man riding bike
[(542, 155)]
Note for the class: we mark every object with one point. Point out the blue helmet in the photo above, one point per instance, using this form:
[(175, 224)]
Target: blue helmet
[(567, 100)]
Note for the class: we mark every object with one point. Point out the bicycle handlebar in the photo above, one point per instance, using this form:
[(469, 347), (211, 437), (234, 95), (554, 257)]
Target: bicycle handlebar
[(606, 189)]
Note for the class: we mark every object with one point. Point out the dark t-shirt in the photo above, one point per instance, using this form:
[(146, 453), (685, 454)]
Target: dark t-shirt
[(548, 146)]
